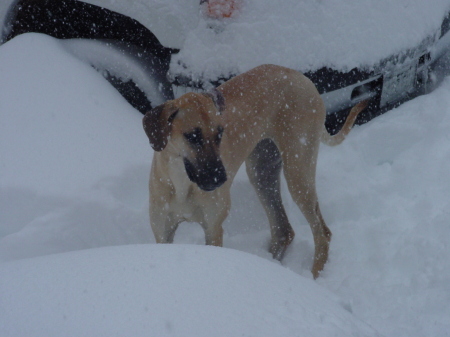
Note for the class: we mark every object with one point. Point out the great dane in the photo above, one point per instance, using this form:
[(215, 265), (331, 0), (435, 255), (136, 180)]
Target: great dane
[(271, 118)]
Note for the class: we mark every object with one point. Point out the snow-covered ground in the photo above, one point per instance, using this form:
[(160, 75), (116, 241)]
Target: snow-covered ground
[(180, 290), (78, 256)]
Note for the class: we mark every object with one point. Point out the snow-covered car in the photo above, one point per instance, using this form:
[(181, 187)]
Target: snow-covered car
[(122, 41)]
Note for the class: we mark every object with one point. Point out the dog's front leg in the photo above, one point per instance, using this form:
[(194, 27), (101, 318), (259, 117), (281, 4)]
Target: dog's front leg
[(214, 214), (163, 223)]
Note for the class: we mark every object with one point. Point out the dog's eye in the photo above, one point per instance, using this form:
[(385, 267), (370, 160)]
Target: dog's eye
[(195, 137), (219, 135)]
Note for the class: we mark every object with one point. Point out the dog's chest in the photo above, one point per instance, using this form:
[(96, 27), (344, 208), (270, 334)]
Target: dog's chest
[(186, 207), (184, 200)]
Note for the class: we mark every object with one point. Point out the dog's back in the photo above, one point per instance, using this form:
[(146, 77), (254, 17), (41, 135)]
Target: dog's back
[(269, 102)]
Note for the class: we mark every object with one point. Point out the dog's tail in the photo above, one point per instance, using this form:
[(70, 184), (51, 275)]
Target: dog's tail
[(340, 136)]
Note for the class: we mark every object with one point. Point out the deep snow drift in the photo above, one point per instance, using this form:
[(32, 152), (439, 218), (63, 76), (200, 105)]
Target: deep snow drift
[(167, 290)]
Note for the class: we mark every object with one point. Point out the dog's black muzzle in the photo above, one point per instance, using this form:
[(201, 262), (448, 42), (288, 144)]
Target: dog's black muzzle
[(207, 174)]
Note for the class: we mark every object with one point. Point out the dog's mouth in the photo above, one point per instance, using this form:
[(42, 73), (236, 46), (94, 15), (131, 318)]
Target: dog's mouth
[(208, 176)]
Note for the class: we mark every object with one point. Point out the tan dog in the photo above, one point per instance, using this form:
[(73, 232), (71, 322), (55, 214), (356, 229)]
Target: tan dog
[(269, 117)]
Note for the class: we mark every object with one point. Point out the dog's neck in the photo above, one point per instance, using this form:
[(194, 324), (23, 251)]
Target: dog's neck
[(217, 98)]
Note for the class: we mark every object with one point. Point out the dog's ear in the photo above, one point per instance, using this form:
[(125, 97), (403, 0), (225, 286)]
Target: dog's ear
[(158, 125)]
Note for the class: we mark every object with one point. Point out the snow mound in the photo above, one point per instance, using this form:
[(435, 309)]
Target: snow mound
[(58, 108), (166, 290)]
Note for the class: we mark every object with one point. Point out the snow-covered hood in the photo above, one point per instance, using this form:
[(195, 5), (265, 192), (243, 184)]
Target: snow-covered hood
[(308, 35)]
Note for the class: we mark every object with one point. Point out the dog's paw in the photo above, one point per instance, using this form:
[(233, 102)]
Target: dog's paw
[(278, 248)]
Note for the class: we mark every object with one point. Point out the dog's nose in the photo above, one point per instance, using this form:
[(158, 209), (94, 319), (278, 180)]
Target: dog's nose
[(208, 175), (213, 176)]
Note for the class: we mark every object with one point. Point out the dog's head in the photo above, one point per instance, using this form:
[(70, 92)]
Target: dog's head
[(190, 127)]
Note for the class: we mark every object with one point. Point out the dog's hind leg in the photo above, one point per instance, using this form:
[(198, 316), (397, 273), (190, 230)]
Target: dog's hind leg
[(300, 172), (263, 168)]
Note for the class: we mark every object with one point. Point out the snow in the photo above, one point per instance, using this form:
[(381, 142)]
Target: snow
[(109, 59), (69, 143), (77, 256), (303, 35), (307, 35), (166, 291), (170, 20), (399, 165)]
